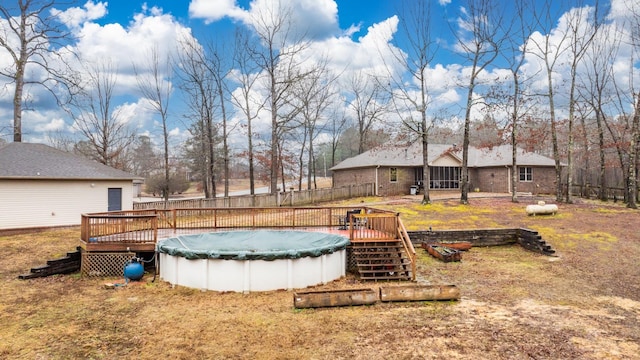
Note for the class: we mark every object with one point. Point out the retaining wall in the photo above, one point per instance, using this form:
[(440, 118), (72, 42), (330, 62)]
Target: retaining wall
[(528, 239)]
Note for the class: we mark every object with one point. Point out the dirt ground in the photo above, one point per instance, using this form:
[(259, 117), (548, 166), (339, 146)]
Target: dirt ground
[(583, 303)]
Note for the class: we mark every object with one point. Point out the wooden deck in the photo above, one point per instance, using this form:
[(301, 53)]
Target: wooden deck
[(140, 230)]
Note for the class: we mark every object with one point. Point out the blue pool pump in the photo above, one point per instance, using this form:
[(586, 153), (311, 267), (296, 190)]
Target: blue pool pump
[(133, 270)]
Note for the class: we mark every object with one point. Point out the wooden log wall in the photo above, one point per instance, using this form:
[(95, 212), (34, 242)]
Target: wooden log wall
[(477, 237), (65, 265), (531, 240), (528, 239)]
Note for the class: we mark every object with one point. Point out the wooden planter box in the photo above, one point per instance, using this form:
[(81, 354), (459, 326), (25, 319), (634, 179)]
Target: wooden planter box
[(315, 299), (419, 293)]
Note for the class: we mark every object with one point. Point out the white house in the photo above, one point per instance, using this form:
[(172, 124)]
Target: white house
[(41, 186)]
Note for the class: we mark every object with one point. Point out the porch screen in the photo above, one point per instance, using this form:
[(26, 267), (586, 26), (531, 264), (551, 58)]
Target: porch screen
[(444, 177)]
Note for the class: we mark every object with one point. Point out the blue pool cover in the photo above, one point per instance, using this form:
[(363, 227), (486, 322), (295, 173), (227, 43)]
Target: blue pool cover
[(253, 245)]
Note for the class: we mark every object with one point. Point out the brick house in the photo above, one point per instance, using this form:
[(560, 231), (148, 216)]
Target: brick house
[(395, 169)]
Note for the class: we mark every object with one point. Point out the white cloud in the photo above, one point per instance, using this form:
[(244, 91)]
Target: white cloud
[(215, 10), (623, 9), (36, 122), (55, 124), (447, 98), (73, 17), (128, 48), (315, 19), (372, 53), (125, 45)]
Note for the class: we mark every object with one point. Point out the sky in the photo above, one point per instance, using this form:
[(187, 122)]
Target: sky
[(356, 35)]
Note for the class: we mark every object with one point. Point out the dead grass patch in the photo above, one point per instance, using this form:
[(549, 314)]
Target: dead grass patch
[(583, 304)]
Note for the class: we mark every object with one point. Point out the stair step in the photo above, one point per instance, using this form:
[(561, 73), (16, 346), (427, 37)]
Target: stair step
[(402, 277), (377, 249), (375, 243), (381, 260), (395, 270), (363, 265), (379, 256)]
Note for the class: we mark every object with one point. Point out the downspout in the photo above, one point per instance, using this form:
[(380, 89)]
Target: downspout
[(376, 190), (508, 178)]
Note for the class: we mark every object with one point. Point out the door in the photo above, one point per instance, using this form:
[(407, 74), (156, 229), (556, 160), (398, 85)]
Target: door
[(115, 199)]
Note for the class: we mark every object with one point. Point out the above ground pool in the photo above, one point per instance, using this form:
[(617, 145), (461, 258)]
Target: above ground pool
[(258, 260)]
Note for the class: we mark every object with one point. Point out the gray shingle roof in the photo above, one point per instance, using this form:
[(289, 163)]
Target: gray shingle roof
[(38, 161), (411, 156)]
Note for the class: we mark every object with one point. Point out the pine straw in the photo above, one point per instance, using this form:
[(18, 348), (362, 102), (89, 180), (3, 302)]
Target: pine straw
[(516, 304)]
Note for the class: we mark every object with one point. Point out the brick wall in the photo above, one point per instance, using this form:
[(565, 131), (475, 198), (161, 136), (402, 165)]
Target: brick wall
[(494, 179), (406, 178), (497, 179)]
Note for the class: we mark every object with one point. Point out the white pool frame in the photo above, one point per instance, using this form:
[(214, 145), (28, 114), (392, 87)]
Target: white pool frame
[(252, 275)]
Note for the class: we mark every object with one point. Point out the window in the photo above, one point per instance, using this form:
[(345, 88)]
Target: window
[(393, 174), (526, 174), (444, 177)]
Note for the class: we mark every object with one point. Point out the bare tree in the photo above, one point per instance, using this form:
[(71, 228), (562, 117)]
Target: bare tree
[(278, 60), (517, 42), (479, 42), (634, 144), (220, 71), (550, 49), (581, 34), (40, 39), (312, 96), (414, 96), (199, 83), (600, 58), (245, 97), (336, 127), (156, 88), (97, 119), (369, 103)]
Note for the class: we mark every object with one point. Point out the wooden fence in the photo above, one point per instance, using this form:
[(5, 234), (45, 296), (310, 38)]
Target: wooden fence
[(290, 198)]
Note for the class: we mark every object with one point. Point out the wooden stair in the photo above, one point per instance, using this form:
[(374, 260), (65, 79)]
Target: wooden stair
[(65, 265), (382, 260)]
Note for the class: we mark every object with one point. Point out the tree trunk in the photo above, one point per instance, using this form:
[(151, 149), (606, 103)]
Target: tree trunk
[(464, 191), (17, 101), (602, 192), (514, 138), (554, 137), (225, 146), (633, 151), (274, 137)]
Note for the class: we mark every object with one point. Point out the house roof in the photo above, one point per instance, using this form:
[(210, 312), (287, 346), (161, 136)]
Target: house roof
[(38, 161), (411, 156)]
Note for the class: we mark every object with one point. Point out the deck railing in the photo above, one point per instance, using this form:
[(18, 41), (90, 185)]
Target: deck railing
[(124, 224), (110, 228), (408, 246)]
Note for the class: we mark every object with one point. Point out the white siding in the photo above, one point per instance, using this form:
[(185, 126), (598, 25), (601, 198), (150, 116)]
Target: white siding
[(42, 203)]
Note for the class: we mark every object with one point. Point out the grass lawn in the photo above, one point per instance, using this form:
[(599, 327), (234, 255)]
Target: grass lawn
[(582, 304)]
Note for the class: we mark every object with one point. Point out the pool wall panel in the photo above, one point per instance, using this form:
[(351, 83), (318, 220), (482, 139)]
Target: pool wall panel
[(252, 275)]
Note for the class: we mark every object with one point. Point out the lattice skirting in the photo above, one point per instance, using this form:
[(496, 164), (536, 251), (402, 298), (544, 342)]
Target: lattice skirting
[(98, 264), (352, 266)]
